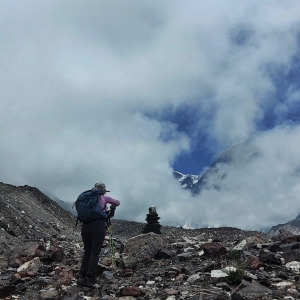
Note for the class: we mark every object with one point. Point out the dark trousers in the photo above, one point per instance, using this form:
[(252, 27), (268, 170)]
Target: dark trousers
[(93, 234)]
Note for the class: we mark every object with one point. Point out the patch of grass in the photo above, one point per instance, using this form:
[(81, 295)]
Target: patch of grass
[(235, 254), (235, 277)]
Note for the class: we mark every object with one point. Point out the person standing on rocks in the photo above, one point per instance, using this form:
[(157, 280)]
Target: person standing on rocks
[(93, 234)]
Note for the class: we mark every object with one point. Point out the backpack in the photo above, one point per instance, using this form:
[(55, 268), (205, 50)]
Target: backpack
[(87, 207)]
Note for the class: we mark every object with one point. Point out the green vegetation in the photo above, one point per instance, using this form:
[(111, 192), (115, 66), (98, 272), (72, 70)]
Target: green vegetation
[(235, 254), (235, 277)]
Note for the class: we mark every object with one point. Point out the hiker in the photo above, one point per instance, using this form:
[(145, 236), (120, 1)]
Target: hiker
[(93, 234)]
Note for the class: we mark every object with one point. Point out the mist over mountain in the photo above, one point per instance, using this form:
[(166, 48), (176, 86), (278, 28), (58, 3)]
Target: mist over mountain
[(236, 157), (65, 205), (245, 173)]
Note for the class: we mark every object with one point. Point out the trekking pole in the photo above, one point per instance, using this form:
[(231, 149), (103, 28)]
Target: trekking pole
[(111, 242)]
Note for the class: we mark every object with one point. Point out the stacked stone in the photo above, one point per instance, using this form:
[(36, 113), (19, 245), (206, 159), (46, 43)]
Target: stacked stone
[(152, 222)]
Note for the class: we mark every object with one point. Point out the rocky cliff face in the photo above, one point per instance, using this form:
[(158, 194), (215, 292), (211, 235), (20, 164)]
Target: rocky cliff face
[(26, 213), (292, 226), (41, 253)]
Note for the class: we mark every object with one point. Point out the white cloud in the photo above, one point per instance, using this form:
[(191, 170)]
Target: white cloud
[(259, 192), (78, 79)]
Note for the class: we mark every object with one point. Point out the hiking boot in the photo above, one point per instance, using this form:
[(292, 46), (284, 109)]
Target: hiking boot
[(91, 281), (82, 280)]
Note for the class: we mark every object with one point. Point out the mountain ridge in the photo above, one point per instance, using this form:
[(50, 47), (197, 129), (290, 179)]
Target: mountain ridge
[(237, 155)]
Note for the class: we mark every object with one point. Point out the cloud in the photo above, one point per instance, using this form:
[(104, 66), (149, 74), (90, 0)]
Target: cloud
[(257, 192), (84, 84)]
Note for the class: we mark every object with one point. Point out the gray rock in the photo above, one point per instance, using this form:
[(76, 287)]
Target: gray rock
[(254, 290), (141, 247)]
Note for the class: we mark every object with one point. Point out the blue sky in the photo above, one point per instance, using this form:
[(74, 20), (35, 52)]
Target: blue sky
[(285, 80), (126, 91)]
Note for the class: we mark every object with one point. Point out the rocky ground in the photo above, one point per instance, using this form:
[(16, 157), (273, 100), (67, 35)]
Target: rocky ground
[(41, 253)]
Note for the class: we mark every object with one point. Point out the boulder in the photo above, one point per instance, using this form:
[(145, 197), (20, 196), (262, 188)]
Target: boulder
[(291, 255), (141, 247), (132, 291), (30, 266), (254, 290), (249, 242), (218, 275), (214, 249), (193, 278), (254, 263), (270, 258), (22, 253), (293, 266), (283, 285)]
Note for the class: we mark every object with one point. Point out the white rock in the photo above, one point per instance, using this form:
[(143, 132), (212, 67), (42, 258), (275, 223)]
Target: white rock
[(227, 270), (293, 266), (240, 246), (282, 284), (150, 282), (200, 237), (188, 241), (193, 278), (215, 274), (189, 249), (48, 244), (32, 265)]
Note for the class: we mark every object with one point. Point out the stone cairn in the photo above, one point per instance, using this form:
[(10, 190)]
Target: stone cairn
[(152, 221)]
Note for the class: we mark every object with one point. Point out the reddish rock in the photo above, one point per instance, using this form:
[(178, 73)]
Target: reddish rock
[(28, 250), (254, 263), (64, 274), (214, 249), (15, 262), (23, 253), (26, 274), (130, 291), (15, 277)]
